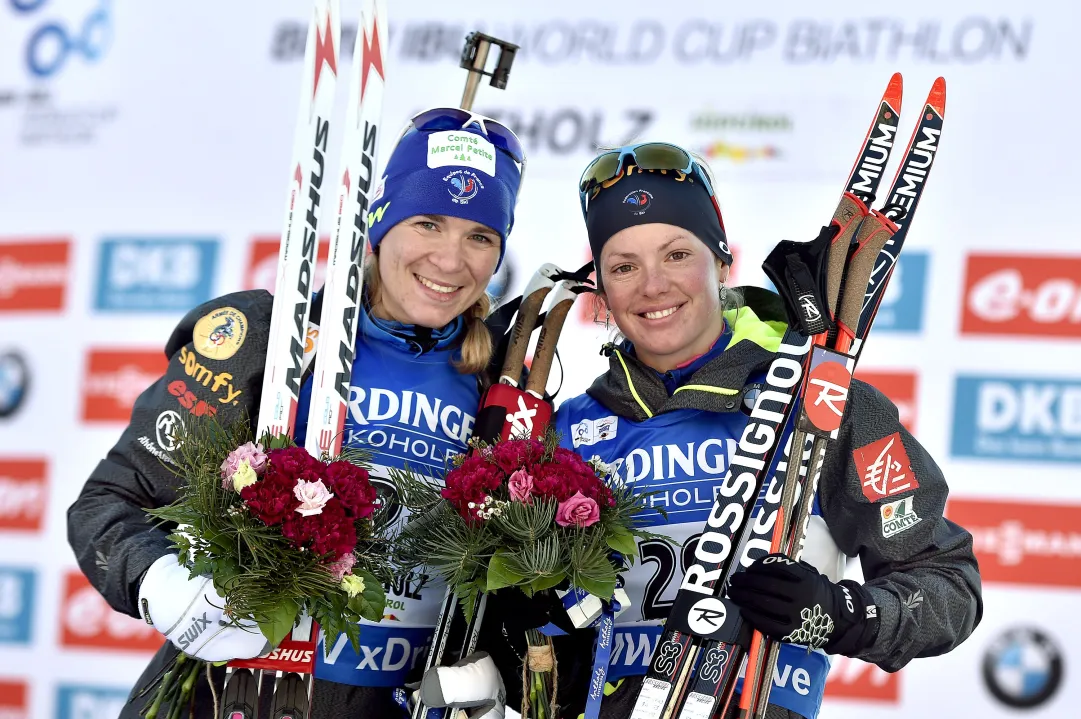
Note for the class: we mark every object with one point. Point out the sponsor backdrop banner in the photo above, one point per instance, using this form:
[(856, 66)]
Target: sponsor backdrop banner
[(143, 166)]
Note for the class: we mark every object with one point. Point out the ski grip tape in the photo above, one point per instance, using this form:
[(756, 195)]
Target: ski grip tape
[(523, 330), (874, 233), (849, 214)]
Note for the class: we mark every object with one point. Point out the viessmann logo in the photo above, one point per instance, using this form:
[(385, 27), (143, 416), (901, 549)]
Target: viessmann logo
[(33, 275), (115, 378), (1022, 295), (1023, 542)]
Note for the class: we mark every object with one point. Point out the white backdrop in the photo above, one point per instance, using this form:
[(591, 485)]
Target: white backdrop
[(144, 154)]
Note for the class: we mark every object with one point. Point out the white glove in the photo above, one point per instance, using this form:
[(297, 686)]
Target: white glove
[(189, 612), (473, 683)]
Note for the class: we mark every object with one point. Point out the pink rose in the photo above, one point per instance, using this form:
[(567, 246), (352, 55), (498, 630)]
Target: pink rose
[(247, 451), (520, 484), (342, 566), (577, 511), (312, 496)]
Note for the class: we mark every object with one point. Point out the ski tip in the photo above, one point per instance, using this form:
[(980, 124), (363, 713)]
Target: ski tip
[(936, 99), (894, 91)]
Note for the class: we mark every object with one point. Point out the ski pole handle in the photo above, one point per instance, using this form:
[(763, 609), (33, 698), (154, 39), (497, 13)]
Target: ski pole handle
[(526, 321), (544, 355)]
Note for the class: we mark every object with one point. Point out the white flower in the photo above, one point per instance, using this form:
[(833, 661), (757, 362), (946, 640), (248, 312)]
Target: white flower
[(352, 584), (244, 476), (312, 496)]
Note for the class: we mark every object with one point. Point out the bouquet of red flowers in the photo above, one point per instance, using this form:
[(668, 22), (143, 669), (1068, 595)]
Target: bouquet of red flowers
[(283, 534), (521, 515)]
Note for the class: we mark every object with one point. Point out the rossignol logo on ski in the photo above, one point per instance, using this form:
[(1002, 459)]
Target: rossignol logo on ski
[(884, 468), (898, 516), (737, 494), (828, 383)]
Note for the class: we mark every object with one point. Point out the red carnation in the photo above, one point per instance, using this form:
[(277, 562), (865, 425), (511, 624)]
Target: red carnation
[(471, 482), (271, 498), (350, 484), (329, 532), (515, 454)]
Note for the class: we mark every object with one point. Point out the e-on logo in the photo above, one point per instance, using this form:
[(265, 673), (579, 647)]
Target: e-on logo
[(465, 186), (1023, 668)]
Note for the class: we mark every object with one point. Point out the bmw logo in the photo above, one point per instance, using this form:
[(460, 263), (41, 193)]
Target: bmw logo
[(14, 382), (1023, 668)]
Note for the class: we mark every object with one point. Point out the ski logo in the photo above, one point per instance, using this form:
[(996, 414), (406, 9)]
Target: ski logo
[(522, 420), (707, 616), (324, 52), (715, 658), (874, 159), (827, 391), (898, 516), (371, 58), (884, 468), (667, 656), (810, 307)]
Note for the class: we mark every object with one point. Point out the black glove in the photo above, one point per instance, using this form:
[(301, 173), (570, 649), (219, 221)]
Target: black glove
[(789, 600)]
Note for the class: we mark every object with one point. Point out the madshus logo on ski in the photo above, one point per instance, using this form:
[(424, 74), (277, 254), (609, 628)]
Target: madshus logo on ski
[(1017, 418), (1023, 668), (155, 275)]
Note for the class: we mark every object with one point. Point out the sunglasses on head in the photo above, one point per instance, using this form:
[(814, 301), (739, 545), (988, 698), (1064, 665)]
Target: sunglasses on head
[(660, 156)]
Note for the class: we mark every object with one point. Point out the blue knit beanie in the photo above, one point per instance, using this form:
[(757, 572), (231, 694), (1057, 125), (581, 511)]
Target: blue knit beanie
[(457, 173)]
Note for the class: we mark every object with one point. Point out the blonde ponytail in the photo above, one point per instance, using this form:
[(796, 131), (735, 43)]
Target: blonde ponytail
[(477, 347)]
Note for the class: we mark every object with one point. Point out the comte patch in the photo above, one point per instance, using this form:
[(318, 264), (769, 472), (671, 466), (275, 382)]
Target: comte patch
[(884, 468), (220, 334), (454, 147), (898, 516)]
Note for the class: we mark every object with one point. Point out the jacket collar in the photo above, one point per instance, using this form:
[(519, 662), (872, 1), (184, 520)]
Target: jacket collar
[(632, 390)]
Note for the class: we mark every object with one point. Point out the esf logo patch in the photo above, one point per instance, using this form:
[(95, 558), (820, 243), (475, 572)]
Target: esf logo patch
[(902, 304), (16, 605), (155, 275), (89, 702), (464, 186), (1017, 418)]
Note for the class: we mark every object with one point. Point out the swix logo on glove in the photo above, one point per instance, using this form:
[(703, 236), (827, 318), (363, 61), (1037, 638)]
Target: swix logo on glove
[(884, 468), (198, 624), (1018, 295)]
